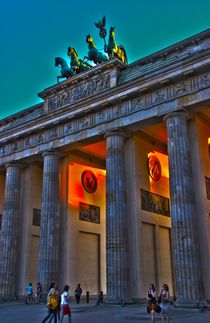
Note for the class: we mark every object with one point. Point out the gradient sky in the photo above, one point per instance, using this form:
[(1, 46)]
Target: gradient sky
[(34, 32)]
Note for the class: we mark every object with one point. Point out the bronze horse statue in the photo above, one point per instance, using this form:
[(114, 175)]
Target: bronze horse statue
[(94, 54), (77, 65), (66, 71), (112, 49)]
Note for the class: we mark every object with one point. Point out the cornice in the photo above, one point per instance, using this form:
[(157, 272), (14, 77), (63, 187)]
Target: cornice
[(187, 45)]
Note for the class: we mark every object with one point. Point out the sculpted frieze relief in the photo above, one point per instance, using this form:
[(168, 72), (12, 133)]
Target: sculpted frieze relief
[(101, 116), (138, 103), (109, 113), (69, 128), (14, 146), (119, 110), (159, 96), (84, 123), (40, 138), (181, 88), (53, 133), (204, 80), (79, 91), (27, 142)]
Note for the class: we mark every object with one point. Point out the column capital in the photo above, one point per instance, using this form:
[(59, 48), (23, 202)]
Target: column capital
[(116, 133), (177, 114), (52, 152), (14, 165)]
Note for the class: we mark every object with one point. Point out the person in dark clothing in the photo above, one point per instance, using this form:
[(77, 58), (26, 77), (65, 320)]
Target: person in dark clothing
[(78, 293)]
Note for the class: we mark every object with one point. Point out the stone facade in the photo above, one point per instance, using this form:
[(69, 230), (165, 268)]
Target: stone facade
[(112, 229)]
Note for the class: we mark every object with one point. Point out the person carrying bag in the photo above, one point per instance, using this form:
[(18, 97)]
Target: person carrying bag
[(65, 308), (151, 302)]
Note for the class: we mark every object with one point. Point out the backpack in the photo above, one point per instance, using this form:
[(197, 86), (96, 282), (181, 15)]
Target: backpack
[(52, 301)]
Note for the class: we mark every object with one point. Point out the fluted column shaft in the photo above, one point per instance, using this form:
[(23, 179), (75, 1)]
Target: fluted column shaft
[(183, 214), (49, 239), (116, 222), (9, 231)]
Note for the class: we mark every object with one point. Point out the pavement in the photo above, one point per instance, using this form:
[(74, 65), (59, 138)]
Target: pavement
[(19, 312)]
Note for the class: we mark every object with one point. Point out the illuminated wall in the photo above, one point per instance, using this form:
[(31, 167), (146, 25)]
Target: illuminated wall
[(77, 193), (152, 246), (87, 267)]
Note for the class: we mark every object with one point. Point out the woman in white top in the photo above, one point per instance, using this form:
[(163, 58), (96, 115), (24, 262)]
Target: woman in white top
[(65, 308)]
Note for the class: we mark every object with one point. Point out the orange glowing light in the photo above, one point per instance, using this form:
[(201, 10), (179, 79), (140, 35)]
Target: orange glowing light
[(154, 168), (76, 191), (89, 181), (163, 161), (161, 186)]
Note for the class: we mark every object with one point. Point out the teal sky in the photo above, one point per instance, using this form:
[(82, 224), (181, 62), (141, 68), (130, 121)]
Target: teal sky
[(34, 32)]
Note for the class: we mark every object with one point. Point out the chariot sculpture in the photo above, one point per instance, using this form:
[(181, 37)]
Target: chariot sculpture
[(77, 65), (111, 48)]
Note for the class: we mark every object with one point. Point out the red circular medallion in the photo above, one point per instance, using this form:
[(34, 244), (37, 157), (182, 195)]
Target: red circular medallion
[(154, 168), (89, 181)]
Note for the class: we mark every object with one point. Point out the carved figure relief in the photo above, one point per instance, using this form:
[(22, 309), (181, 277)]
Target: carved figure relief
[(204, 80), (159, 96), (138, 103), (79, 92), (154, 203), (180, 88), (89, 213), (68, 128)]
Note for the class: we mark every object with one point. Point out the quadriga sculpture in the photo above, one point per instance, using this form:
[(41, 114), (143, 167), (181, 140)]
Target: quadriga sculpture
[(77, 65), (65, 71), (112, 49), (94, 54)]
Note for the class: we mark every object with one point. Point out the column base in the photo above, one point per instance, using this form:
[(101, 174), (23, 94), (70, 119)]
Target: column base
[(186, 303), (7, 298), (118, 301)]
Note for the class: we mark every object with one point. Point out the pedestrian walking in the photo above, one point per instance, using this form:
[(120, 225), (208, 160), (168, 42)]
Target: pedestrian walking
[(100, 299), (78, 293), (65, 308), (38, 293), (29, 290), (164, 302), (52, 304), (151, 301)]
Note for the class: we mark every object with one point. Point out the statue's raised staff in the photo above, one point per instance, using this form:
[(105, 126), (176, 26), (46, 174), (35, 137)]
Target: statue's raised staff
[(112, 49), (66, 71), (94, 54), (77, 65)]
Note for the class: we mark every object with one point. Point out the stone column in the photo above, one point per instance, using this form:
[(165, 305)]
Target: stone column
[(183, 212), (49, 230), (9, 231), (116, 222)]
